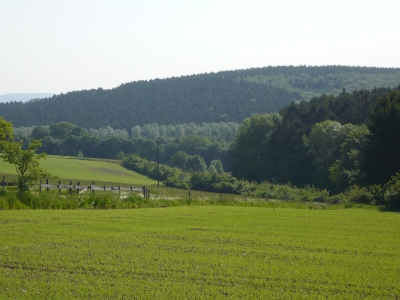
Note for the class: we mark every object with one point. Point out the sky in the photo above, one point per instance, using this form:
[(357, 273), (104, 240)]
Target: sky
[(57, 46)]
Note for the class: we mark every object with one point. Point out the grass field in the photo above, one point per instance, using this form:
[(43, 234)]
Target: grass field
[(86, 171), (199, 253)]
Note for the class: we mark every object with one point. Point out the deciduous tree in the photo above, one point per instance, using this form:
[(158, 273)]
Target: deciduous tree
[(6, 130), (26, 163)]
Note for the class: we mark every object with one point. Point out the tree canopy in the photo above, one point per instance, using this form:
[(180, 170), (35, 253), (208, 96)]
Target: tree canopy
[(6, 130), (381, 155), (228, 96), (26, 161)]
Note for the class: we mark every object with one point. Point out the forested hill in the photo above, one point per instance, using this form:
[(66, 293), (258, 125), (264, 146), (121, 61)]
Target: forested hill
[(228, 96)]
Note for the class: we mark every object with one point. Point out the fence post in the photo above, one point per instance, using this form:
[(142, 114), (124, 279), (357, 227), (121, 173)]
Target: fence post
[(131, 190), (4, 178), (144, 192), (59, 189), (93, 184), (148, 193), (77, 190), (47, 182), (119, 189), (70, 189), (40, 187)]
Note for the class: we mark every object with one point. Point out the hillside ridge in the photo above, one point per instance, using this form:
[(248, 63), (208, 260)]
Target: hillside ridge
[(226, 96)]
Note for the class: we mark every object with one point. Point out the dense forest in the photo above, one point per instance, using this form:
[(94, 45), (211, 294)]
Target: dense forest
[(344, 144), (343, 139), (229, 96), (332, 142), (338, 149)]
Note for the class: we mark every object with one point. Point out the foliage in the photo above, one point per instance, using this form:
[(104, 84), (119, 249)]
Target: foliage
[(228, 96), (217, 164), (358, 194), (26, 163), (212, 181), (392, 191), (248, 149), (6, 130), (195, 163), (324, 141), (79, 155), (120, 155), (60, 130), (336, 150), (381, 154), (346, 169), (108, 132), (114, 141), (39, 132), (179, 160), (284, 155)]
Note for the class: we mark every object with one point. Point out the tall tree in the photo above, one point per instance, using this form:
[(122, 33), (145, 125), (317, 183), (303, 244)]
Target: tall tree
[(6, 130), (381, 154), (249, 149), (346, 170), (61, 129), (323, 145)]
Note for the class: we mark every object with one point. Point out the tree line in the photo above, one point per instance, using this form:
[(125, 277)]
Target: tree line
[(221, 131), (229, 96), (189, 151), (332, 142), (346, 145)]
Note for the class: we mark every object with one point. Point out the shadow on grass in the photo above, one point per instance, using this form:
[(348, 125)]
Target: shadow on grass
[(388, 208)]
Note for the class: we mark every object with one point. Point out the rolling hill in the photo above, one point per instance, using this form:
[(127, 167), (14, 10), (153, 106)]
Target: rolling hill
[(228, 96)]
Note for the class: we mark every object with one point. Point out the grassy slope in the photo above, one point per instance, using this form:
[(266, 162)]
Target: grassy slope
[(86, 171), (199, 253)]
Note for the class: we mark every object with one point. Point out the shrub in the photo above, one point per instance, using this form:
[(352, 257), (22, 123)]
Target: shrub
[(392, 191), (338, 199), (358, 194), (321, 196)]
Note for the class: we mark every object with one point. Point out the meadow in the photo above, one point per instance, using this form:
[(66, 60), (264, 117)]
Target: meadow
[(200, 252), (103, 172)]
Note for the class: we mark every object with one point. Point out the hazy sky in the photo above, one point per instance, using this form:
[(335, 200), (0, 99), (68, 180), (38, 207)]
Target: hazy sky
[(58, 46)]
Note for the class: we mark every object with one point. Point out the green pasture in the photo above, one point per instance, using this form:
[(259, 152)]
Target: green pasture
[(209, 252), (85, 171)]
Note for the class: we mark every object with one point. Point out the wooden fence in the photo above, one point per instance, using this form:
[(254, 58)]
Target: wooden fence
[(5, 183), (78, 188)]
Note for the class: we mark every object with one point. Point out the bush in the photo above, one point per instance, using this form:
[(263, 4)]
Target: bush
[(338, 199), (359, 194), (321, 196), (392, 191)]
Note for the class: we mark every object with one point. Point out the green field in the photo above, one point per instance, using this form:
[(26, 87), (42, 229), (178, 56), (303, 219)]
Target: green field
[(199, 253), (85, 171)]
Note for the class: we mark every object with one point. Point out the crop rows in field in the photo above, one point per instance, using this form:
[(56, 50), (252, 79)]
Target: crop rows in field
[(200, 253)]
